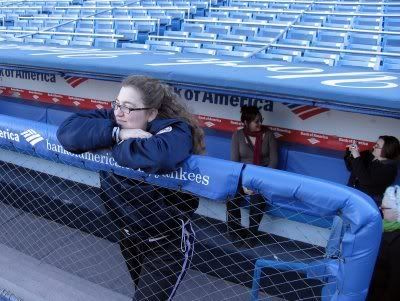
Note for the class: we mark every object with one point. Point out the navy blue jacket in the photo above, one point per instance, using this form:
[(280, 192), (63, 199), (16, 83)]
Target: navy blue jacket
[(161, 153), (146, 210)]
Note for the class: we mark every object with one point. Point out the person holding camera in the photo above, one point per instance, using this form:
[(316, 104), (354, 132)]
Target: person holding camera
[(373, 171)]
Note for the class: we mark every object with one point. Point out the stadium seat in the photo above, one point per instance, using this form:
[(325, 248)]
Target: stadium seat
[(30, 40), (128, 34), (180, 34), (232, 53), (219, 14), (218, 29), (276, 57), (218, 47), (244, 31), (362, 64), (189, 27), (232, 37), (323, 44), (136, 46), (203, 35), (320, 54), (75, 43), (244, 16), (105, 43), (314, 60), (155, 43), (186, 44), (264, 40), (247, 48), (391, 41), (360, 57), (332, 36), (366, 39), (264, 16), (363, 47), (391, 67), (203, 51), (57, 42), (286, 41), (301, 34), (283, 51), (166, 48), (271, 32)]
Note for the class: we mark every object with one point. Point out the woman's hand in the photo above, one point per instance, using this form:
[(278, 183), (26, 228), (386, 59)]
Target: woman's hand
[(354, 150), (125, 134)]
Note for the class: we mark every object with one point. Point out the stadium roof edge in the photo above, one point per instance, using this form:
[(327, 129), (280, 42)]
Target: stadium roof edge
[(343, 88)]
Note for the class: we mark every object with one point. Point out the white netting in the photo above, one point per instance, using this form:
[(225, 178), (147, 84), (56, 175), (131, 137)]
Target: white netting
[(61, 217)]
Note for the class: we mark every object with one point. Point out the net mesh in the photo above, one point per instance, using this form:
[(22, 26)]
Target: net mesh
[(134, 239)]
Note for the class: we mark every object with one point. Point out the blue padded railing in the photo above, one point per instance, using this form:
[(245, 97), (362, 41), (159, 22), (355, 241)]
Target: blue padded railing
[(218, 180)]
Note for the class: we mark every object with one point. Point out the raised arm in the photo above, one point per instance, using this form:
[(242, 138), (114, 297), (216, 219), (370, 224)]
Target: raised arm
[(87, 131), (160, 153)]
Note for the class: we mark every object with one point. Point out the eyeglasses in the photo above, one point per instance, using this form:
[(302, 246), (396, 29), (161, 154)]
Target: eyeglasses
[(115, 105), (259, 120)]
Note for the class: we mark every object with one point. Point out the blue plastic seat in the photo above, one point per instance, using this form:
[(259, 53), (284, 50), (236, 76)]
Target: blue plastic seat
[(247, 48), (317, 43), (103, 25), (154, 43), (219, 14), (301, 34), (105, 43), (232, 37), (136, 46), (320, 54), (366, 39), (181, 34), (294, 42), (57, 42), (360, 57), (264, 40), (84, 30), (270, 32), (34, 41), (186, 44), (123, 25), (284, 51), (276, 57), (218, 29), (332, 36), (203, 51), (313, 18), (128, 34), (75, 43), (203, 35), (391, 67), (218, 46), (245, 31), (192, 27), (391, 41), (244, 16), (232, 53), (283, 6), (314, 60), (264, 16), (166, 48), (362, 64), (363, 47), (286, 17)]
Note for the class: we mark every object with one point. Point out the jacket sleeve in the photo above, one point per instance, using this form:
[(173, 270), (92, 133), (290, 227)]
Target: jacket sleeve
[(273, 151), (160, 153), (372, 174), (86, 131), (235, 155)]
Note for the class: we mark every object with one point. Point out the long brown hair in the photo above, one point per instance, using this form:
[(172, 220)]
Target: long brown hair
[(161, 97)]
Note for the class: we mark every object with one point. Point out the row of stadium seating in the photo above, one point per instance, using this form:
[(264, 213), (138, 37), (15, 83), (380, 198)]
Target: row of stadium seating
[(293, 32)]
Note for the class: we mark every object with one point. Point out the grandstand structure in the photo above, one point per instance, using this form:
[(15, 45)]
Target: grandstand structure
[(324, 74), (334, 33)]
